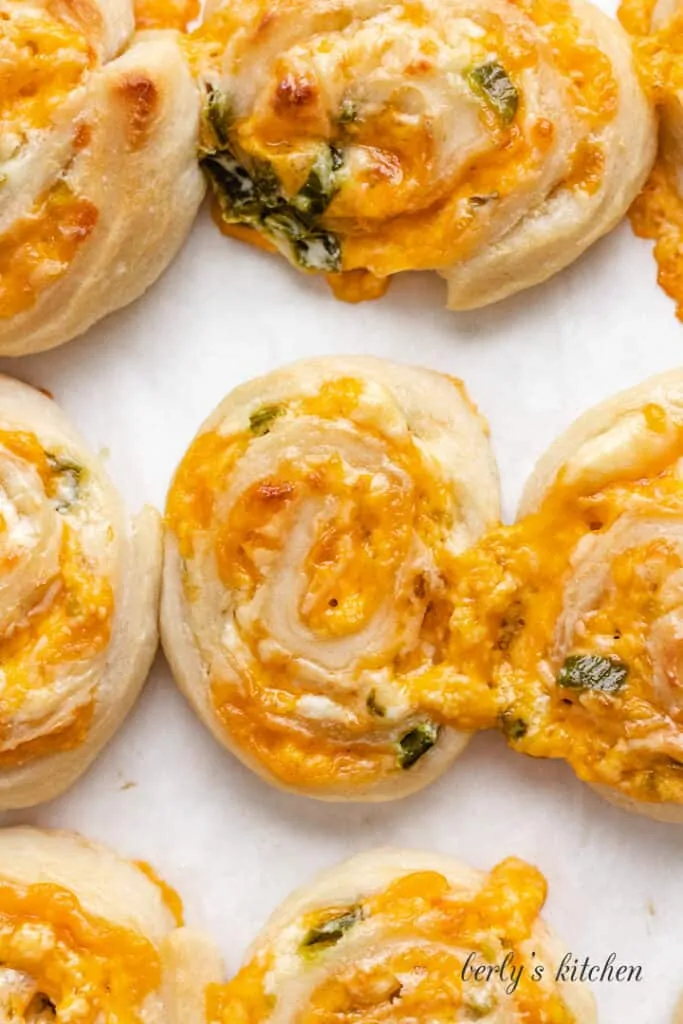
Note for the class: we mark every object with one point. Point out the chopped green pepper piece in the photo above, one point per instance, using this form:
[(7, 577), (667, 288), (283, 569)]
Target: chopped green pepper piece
[(261, 421), (348, 112), (492, 83), (218, 113), (249, 192), (416, 743), (593, 672), (329, 933), (373, 707), (512, 727), (70, 476)]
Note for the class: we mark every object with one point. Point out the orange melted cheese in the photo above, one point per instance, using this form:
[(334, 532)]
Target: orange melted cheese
[(657, 213), (44, 58), (399, 215), (71, 955), (498, 918), (40, 248), (168, 894), (508, 601), (178, 14), (350, 568), (69, 622)]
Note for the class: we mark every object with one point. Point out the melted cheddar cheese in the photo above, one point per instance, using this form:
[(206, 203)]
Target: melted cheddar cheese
[(85, 967), (587, 575), (178, 14), (45, 57), (168, 894), (399, 199), (422, 931), (657, 213), (354, 558), (65, 622)]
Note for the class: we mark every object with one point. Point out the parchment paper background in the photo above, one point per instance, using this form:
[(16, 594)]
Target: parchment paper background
[(139, 384)]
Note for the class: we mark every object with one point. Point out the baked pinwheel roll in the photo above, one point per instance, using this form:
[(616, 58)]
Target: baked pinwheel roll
[(658, 211), (583, 599), (490, 142), (86, 936), (397, 935), (309, 532), (78, 600), (99, 182)]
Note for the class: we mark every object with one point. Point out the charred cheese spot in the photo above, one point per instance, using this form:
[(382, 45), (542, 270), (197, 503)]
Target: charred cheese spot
[(142, 101), (294, 91)]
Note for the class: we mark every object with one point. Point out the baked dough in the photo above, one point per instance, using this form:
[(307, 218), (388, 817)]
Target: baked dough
[(85, 935), (309, 531), (79, 593), (387, 936), (582, 602), (490, 142), (99, 181), (624, 456), (658, 211)]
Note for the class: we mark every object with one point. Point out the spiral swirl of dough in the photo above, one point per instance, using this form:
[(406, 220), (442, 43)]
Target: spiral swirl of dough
[(86, 936), (397, 935), (99, 182), (310, 527), (78, 600), (582, 602), (491, 142)]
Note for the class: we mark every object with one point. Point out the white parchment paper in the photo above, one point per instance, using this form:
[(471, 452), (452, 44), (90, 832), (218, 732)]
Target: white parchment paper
[(138, 386)]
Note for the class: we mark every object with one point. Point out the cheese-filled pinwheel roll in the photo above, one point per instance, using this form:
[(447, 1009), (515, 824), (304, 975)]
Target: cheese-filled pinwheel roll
[(79, 592), (492, 142), (88, 937), (99, 182), (398, 935), (310, 530), (581, 602), (658, 211)]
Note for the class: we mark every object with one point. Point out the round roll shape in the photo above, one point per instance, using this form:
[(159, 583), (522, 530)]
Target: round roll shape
[(658, 212), (99, 182), (617, 642), (87, 936), (582, 601), (490, 142), (397, 935), (310, 528), (79, 591)]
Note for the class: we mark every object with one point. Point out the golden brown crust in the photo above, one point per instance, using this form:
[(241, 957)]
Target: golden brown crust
[(101, 183)]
